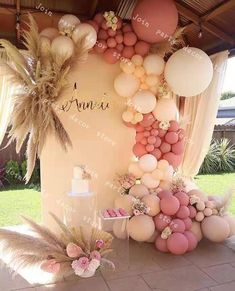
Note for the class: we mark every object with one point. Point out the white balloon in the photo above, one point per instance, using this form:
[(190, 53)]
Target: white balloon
[(135, 170), (87, 31), (166, 110), (50, 32), (126, 85), (154, 64), (67, 23), (189, 71), (148, 163), (144, 101), (63, 47), (148, 180)]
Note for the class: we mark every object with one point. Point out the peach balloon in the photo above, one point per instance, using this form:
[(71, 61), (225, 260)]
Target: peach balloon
[(199, 216), (196, 229), (163, 165), (141, 228), (148, 180), (157, 174), (142, 48), (154, 64), (165, 110), (161, 244), (153, 202), (135, 170), (165, 185), (139, 191), (126, 85), (231, 221), (144, 101), (137, 60), (153, 237), (125, 202)]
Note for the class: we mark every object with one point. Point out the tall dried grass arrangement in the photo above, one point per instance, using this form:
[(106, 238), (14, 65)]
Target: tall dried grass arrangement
[(41, 77)]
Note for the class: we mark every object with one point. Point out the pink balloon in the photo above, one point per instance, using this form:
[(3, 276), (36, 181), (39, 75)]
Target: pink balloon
[(127, 27), (161, 132), (162, 221), (149, 148), (104, 25), (158, 142), (178, 148), (99, 18), (152, 140), (111, 32), (144, 141), (148, 120), (165, 147), (139, 128), (111, 42), (161, 244), (156, 153), (120, 47), (192, 240), (169, 205), (183, 198), (130, 38), (139, 150), (177, 225), (164, 194), (128, 52), (102, 35), (149, 128), (155, 124), (111, 55), (188, 223), (177, 243), (100, 47), (192, 211), (146, 133), (183, 212), (119, 38), (142, 48), (155, 20), (154, 132), (139, 136), (174, 126), (172, 159), (171, 137)]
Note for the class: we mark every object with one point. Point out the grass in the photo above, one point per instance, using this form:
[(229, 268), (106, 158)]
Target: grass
[(20, 200)]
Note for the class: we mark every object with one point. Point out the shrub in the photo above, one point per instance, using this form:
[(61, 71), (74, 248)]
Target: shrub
[(13, 173), (2, 177), (35, 179)]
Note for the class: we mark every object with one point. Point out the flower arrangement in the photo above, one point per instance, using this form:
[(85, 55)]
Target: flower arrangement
[(125, 181), (111, 19), (79, 250), (139, 207)]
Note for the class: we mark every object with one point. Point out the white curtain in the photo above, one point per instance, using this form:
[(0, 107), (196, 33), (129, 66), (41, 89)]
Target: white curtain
[(201, 113)]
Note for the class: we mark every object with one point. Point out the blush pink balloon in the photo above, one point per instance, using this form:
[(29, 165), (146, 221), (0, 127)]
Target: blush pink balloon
[(177, 243), (192, 211), (162, 221), (146, 133), (155, 124), (148, 120), (161, 244), (174, 126), (171, 137), (172, 159), (192, 240), (102, 35), (183, 212), (139, 128), (139, 136), (155, 21), (154, 132), (169, 205), (99, 18), (119, 38), (142, 48), (111, 42), (156, 153), (111, 55), (127, 27), (100, 47), (128, 52), (149, 148), (165, 147), (183, 198), (130, 38), (152, 140), (158, 142), (178, 148), (139, 150), (120, 47), (188, 223), (144, 141), (164, 194), (161, 132), (177, 225)]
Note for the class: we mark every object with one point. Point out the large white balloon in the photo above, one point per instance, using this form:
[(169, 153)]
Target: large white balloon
[(189, 71), (126, 85), (67, 23), (63, 47), (87, 31), (148, 163), (149, 181), (144, 101), (166, 110), (154, 64), (50, 32)]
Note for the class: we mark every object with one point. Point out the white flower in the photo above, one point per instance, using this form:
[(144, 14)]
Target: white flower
[(94, 265), (164, 125), (166, 233)]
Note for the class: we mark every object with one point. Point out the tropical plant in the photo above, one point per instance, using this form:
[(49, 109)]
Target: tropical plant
[(227, 95), (13, 173), (2, 177)]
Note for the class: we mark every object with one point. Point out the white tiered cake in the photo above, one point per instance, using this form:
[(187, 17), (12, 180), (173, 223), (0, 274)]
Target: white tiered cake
[(80, 182)]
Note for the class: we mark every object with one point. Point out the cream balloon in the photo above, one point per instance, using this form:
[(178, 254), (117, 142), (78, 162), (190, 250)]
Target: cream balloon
[(139, 191), (196, 229), (126, 85), (135, 170), (157, 174), (153, 202), (231, 221), (125, 202), (154, 64), (120, 229), (189, 71), (148, 180), (127, 116), (163, 165), (50, 33), (215, 228), (148, 163), (67, 23), (153, 237), (63, 47), (141, 227), (144, 101), (86, 32), (166, 110)]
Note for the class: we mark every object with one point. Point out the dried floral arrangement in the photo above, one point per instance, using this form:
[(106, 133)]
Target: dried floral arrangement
[(79, 250), (41, 76)]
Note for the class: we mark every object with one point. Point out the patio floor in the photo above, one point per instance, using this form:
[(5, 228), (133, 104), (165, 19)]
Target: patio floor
[(209, 267)]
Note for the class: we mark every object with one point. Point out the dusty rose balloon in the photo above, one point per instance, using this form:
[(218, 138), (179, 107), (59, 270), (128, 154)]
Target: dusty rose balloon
[(171, 137), (99, 18), (161, 244), (100, 46), (119, 38), (161, 132), (162, 221), (181, 133), (128, 52), (127, 27), (156, 153), (139, 136), (183, 212), (158, 142), (147, 120), (111, 42), (139, 128), (174, 126), (119, 23), (149, 148), (193, 211), (177, 225), (146, 133), (169, 205), (139, 190), (165, 147), (188, 223), (183, 198), (130, 38), (155, 20), (178, 148), (152, 140), (155, 124), (120, 47), (144, 141), (173, 159), (177, 243), (142, 48), (154, 132), (139, 150), (192, 240), (164, 194), (111, 55), (111, 32), (102, 35), (104, 25)]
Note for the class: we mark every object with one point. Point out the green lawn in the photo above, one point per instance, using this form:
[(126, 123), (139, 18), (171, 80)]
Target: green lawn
[(14, 202)]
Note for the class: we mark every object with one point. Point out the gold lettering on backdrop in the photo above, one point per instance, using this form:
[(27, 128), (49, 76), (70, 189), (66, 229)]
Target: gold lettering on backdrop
[(84, 105)]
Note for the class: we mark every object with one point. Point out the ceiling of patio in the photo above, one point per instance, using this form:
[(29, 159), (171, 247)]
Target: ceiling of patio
[(215, 18)]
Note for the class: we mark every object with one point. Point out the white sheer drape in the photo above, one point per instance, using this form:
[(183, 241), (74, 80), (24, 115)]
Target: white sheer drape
[(201, 112)]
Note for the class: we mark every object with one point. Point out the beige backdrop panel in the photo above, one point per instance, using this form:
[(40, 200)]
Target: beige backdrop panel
[(100, 141)]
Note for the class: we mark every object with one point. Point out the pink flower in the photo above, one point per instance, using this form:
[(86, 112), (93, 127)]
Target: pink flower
[(136, 212), (99, 243), (73, 251), (95, 255), (50, 266), (82, 263)]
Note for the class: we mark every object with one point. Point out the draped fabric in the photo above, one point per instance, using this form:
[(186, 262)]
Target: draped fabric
[(201, 111)]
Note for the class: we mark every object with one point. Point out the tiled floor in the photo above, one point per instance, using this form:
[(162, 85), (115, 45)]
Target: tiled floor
[(209, 267)]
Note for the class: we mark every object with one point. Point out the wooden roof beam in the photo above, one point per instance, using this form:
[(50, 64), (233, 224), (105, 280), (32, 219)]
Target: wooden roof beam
[(218, 10)]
